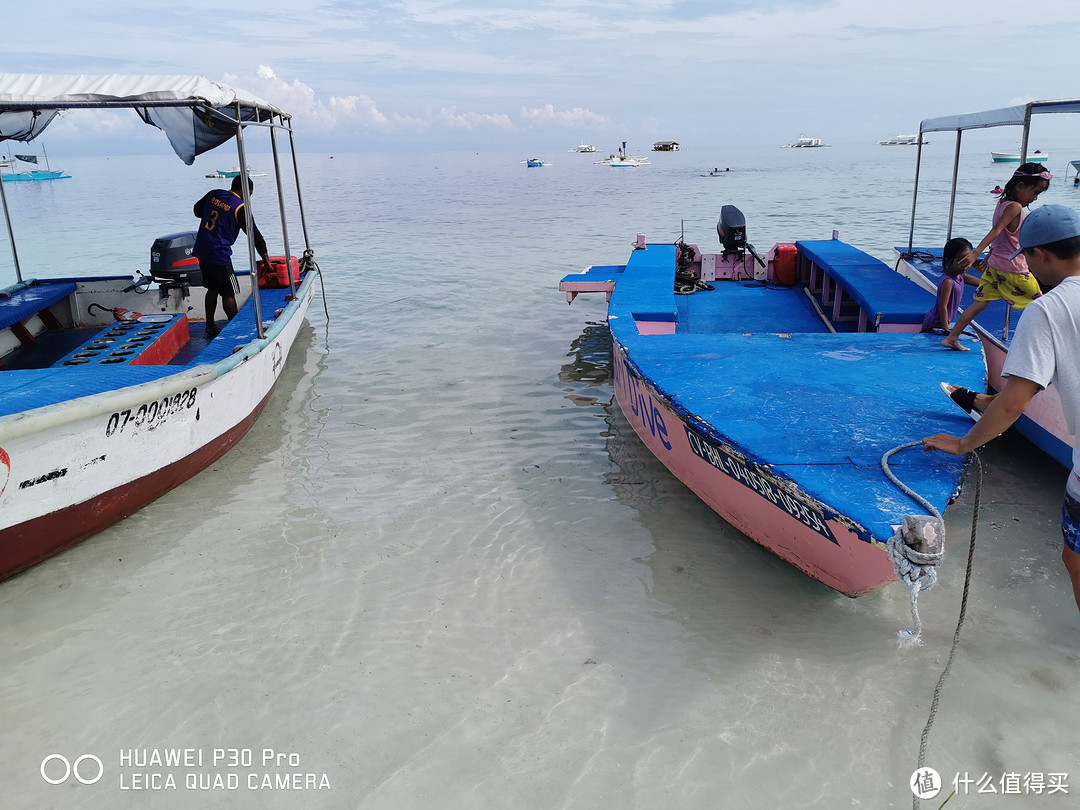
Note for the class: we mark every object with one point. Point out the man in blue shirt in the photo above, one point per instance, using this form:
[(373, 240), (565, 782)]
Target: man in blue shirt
[(222, 218)]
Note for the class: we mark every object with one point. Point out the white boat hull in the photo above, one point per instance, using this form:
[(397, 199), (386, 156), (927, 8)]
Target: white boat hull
[(69, 470)]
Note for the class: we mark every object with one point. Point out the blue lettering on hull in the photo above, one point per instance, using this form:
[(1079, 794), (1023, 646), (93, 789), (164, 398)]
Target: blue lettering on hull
[(766, 487), (642, 406)]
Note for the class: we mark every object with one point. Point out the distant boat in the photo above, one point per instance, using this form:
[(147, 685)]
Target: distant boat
[(235, 172), (622, 159), (535, 163), (805, 143), (48, 173), (904, 140), (585, 147), (1038, 156)]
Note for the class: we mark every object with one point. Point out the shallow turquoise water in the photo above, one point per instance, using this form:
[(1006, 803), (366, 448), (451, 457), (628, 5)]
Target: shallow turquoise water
[(443, 572)]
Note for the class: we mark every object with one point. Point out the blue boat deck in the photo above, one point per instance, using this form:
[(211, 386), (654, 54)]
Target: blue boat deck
[(754, 367), (25, 384)]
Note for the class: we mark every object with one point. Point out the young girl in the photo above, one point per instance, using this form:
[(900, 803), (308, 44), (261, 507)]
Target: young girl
[(1004, 279), (951, 287)]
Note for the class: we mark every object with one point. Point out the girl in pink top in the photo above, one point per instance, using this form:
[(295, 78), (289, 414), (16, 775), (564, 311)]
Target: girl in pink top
[(1005, 279)]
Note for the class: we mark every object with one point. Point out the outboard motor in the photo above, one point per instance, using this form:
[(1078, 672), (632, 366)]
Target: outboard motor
[(732, 232), (172, 263), (172, 259)]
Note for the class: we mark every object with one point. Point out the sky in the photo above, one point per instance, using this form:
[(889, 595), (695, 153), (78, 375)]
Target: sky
[(430, 75)]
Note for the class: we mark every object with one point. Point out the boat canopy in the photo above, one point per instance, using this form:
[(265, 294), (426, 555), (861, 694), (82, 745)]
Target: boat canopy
[(1018, 116), (1006, 116), (196, 114)]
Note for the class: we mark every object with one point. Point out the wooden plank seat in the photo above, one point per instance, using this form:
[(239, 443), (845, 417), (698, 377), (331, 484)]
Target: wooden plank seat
[(886, 299), (132, 343)]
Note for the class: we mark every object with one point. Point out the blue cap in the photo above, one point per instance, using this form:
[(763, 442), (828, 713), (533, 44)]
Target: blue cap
[(1046, 224)]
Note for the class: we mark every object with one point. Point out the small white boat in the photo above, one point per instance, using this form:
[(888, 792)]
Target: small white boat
[(904, 140), (1038, 156), (805, 143), (235, 172), (623, 160), (585, 147), (104, 409)]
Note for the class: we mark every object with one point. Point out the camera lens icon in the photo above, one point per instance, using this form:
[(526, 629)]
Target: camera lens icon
[(50, 772)]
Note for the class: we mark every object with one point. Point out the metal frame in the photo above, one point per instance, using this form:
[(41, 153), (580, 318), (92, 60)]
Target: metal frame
[(264, 116)]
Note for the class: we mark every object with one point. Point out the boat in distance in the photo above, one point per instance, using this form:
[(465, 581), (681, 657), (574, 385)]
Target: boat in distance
[(772, 387), (1038, 156), (29, 175), (904, 140), (805, 143), (234, 172), (623, 159), (113, 391)]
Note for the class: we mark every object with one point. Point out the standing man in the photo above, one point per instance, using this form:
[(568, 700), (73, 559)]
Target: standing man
[(1045, 349), (222, 218)]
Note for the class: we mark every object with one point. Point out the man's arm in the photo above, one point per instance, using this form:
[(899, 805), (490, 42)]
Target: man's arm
[(999, 417)]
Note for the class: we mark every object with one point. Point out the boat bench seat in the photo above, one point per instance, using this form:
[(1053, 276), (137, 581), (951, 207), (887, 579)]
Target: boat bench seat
[(886, 299), (19, 305), (652, 308), (596, 278), (131, 343)]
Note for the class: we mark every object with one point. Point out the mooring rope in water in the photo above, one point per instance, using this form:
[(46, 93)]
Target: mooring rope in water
[(959, 623), (916, 549), (924, 739), (307, 262)]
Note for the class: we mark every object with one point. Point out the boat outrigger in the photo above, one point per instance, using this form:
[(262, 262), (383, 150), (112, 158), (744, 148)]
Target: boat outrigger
[(104, 408), (1044, 421)]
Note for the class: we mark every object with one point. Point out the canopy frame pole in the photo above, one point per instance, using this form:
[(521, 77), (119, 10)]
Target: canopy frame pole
[(249, 220), (955, 179), (11, 233), (281, 209), (915, 192), (299, 194), (1024, 137)]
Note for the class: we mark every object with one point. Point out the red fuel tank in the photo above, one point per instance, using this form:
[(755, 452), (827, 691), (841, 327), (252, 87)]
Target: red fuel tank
[(784, 265)]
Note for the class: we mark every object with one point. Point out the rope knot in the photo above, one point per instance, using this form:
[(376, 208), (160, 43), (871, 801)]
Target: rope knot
[(916, 550)]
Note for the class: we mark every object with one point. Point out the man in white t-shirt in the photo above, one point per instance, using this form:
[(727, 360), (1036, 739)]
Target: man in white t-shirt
[(1045, 349)]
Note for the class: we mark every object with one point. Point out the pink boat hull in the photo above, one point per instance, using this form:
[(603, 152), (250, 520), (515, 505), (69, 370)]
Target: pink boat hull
[(790, 525)]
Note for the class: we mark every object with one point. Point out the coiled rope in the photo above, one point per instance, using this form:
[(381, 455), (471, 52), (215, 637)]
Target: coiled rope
[(924, 739)]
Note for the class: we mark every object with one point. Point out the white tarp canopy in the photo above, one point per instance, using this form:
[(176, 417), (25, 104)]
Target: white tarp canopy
[(1007, 116), (196, 114)]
